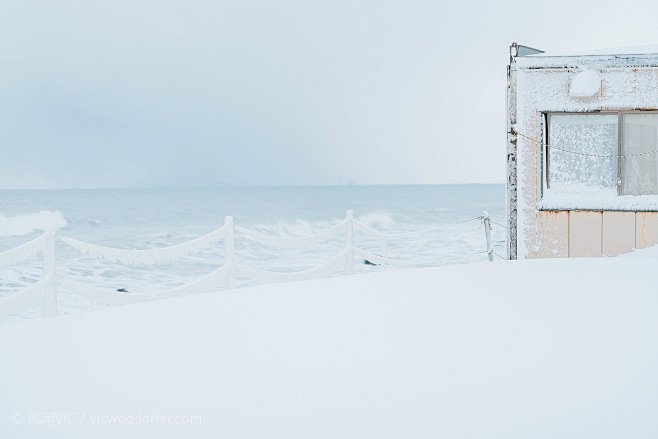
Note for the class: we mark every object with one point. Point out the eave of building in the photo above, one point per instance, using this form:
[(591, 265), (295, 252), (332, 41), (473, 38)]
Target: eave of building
[(621, 57)]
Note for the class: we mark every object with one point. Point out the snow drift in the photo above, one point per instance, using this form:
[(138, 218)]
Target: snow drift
[(530, 349)]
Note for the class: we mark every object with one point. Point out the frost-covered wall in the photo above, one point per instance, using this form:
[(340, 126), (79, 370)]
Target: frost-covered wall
[(541, 84)]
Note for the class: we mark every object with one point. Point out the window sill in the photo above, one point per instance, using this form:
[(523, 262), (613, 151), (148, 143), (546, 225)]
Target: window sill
[(597, 199)]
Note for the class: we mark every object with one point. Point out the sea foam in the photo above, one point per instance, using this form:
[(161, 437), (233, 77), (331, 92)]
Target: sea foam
[(26, 224)]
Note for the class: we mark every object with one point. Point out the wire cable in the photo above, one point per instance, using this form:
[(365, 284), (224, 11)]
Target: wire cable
[(569, 151)]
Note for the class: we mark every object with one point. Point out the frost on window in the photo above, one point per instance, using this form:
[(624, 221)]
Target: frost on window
[(583, 150), (639, 167)]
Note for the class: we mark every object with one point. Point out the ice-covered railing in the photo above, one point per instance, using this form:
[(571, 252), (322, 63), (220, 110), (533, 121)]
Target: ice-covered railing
[(384, 239), (148, 257), (344, 227), (44, 290), (225, 275)]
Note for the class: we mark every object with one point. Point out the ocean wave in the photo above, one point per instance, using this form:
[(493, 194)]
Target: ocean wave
[(376, 219), (296, 228), (150, 225), (25, 224)]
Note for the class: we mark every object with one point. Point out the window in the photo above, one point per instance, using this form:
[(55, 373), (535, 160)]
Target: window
[(639, 142), (612, 151)]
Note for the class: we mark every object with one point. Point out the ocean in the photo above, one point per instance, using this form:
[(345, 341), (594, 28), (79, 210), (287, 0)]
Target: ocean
[(155, 218)]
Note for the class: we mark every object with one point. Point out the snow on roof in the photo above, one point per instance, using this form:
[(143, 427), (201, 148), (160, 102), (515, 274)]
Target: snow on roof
[(626, 50), (617, 57)]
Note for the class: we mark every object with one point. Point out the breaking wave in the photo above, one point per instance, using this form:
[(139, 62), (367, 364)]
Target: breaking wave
[(26, 224)]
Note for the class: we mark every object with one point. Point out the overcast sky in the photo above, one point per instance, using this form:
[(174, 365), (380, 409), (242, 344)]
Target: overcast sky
[(207, 93)]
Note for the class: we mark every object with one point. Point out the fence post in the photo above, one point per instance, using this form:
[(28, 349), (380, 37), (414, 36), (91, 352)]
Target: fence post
[(230, 252), (349, 243), (487, 234), (50, 295)]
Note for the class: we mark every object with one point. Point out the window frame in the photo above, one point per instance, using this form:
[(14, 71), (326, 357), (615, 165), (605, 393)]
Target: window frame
[(545, 153)]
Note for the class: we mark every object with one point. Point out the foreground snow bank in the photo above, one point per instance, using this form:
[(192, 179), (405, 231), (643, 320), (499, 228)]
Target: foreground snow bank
[(540, 349)]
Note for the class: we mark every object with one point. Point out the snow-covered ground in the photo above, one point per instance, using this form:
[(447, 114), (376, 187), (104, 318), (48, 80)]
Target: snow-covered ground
[(530, 349)]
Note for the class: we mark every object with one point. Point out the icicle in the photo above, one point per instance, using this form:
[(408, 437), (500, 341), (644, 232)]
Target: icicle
[(147, 257), (382, 236), (24, 298), (365, 228), (293, 242), (273, 276), (102, 297), (23, 252), (203, 285)]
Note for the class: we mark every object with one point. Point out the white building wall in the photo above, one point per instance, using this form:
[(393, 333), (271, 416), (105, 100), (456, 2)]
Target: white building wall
[(542, 85)]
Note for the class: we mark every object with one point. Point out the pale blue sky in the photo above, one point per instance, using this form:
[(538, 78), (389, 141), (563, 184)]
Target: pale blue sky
[(204, 93)]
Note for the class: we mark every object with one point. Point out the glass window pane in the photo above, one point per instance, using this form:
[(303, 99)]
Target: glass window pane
[(583, 150), (639, 143)]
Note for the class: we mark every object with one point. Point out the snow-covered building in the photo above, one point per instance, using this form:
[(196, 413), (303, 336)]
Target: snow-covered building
[(582, 152)]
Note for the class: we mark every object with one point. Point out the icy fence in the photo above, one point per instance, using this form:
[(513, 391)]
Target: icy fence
[(45, 290)]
